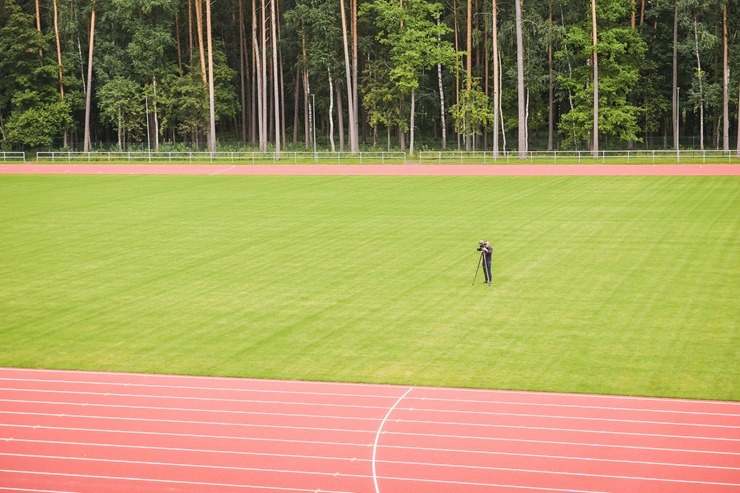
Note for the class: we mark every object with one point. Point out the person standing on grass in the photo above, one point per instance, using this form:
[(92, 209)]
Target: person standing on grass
[(487, 252)]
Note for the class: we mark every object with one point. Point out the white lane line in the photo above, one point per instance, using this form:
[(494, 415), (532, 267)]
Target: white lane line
[(203, 422), (167, 481), (375, 477), (379, 432), (223, 170), (363, 444), (340, 406), (196, 450), (472, 438), (4, 488), (273, 488), (573, 458), (387, 397), (469, 425), (486, 392), (469, 439), (216, 389), (46, 393)]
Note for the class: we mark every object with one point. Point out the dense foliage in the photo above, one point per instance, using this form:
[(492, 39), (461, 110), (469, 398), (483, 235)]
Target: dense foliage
[(270, 74)]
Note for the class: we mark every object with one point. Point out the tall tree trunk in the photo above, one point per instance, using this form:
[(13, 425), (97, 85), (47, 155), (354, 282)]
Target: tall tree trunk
[(331, 110), (59, 63), (725, 85), (700, 76), (520, 82), (501, 99), (281, 69), (496, 90), (265, 71), (675, 76), (457, 60), (351, 109), (201, 44), (190, 30), (594, 35), (355, 60), (211, 91), (550, 83), (296, 105), (340, 117), (88, 95), (275, 83), (258, 123), (468, 137), (308, 109), (738, 124), (412, 122), (38, 23), (307, 136), (177, 40), (59, 51), (442, 109), (257, 54), (156, 117), (242, 74)]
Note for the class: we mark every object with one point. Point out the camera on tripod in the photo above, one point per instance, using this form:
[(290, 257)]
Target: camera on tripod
[(481, 245)]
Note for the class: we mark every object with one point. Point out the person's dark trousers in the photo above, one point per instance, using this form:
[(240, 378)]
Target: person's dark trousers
[(487, 270)]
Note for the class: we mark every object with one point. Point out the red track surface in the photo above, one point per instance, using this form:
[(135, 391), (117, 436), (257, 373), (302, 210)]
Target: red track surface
[(109, 432), (370, 169)]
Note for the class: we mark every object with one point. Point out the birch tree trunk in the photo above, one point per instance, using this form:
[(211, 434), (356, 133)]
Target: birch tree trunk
[(242, 74), (88, 95), (468, 137), (201, 44), (550, 83), (331, 111), (412, 123), (275, 82), (496, 105), (442, 94), (595, 145), (700, 76), (725, 85), (156, 117), (355, 91), (520, 82), (675, 75), (257, 53), (353, 137), (59, 63), (211, 91)]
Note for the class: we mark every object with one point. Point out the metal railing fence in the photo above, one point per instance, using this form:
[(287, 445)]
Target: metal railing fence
[(216, 157), (687, 156), (12, 156)]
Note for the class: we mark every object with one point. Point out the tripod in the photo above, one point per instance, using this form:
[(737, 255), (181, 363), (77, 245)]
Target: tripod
[(486, 267), (480, 261)]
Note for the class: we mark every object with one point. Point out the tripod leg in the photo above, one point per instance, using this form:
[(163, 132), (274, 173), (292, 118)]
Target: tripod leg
[(480, 260)]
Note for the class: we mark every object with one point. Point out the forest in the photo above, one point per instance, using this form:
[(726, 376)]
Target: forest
[(347, 75)]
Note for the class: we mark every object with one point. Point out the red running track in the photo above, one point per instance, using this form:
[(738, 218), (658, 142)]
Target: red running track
[(85, 432), (371, 169)]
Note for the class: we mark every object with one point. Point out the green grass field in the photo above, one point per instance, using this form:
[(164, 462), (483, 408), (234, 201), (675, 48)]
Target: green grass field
[(620, 285)]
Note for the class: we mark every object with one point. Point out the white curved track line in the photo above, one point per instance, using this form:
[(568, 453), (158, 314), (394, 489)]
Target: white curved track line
[(378, 433), (223, 170)]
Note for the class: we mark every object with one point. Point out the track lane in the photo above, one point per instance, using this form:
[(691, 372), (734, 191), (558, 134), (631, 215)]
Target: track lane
[(171, 433)]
